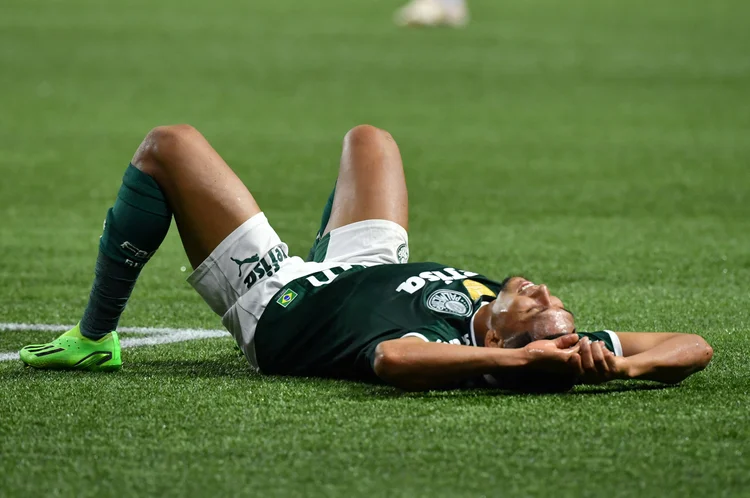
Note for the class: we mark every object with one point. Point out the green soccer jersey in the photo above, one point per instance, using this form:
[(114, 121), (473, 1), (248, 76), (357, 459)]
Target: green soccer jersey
[(328, 324)]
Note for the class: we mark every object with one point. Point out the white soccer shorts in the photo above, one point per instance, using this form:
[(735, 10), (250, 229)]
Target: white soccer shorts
[(241, 276)]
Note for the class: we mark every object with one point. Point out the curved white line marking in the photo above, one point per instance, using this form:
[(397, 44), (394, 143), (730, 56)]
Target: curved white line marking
[(154, 335)]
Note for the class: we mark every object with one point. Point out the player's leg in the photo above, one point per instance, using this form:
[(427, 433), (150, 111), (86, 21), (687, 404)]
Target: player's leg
[(175, 170), (366, 217), (323, 224), (207, 198), (371, 183)]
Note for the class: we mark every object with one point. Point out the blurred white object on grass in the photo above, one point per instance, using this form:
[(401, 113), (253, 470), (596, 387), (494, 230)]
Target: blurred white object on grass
[(452, 13)]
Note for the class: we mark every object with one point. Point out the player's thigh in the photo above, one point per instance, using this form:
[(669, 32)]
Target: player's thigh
[(371, 183), (207, 198)]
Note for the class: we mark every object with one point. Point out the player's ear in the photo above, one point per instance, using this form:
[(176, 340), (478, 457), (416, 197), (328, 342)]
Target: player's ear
[(492, 339)]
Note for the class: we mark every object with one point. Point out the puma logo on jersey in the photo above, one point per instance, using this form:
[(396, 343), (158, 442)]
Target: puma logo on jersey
[(447, 275), (251, 259)]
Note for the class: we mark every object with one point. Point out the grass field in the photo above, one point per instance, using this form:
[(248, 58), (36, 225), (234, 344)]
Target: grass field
[(600, 146)]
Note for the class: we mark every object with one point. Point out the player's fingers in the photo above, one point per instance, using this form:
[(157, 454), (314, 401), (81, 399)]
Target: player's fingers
[(611, 360), (587, 360), (598, 355), (574, 362), (566, 341)]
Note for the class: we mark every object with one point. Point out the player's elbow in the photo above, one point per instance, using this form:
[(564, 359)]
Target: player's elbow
[(703, 352), (693, 356), (392, 367), (387, 364)]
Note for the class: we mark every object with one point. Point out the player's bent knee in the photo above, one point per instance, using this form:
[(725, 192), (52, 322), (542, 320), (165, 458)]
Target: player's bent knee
[(368, 135), (161, 143), (163, 140)]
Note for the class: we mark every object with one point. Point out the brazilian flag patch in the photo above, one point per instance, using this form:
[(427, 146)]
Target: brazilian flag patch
[(286, 298)]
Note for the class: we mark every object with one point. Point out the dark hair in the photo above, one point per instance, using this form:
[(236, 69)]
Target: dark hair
[(505, 282), (524, 338), (518, 341)]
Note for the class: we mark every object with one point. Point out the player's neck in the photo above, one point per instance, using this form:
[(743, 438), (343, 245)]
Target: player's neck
[(481, 324)]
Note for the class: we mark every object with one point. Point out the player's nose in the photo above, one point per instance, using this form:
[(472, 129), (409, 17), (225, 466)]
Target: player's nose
[(542, 295)]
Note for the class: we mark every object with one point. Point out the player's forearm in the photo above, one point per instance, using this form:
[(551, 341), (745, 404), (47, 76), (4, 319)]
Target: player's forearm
[(417, 366), (672, 360)]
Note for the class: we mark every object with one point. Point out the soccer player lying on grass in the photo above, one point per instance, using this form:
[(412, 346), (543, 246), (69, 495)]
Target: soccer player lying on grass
[(356, 309)]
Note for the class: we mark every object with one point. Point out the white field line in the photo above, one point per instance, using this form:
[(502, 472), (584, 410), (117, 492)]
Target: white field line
[(44, 327), (153, 337)]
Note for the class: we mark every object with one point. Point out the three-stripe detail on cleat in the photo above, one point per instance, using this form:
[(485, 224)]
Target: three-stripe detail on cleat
[(43, 350), (106, 356), (53, 351)]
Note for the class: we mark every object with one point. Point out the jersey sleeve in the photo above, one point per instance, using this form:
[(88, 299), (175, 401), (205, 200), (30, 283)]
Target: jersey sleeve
[(608, 337), (429, 334)]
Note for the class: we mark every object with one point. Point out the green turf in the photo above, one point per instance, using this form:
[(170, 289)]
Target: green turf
[(597, 145)]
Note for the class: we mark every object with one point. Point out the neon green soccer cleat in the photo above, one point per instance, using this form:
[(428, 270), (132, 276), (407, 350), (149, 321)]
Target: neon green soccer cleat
[(73, 351)]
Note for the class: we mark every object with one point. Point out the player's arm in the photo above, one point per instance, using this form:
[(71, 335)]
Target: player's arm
[(660, 356), (415, 365), (663, 356)]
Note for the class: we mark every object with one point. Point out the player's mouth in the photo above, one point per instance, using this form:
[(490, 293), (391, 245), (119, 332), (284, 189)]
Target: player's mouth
[(525, 284)]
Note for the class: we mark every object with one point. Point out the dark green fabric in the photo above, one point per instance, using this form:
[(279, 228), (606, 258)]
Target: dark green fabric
[(323, 224), (138, 222), (338, 317), (320, 250), (599, 336), (135, 227)]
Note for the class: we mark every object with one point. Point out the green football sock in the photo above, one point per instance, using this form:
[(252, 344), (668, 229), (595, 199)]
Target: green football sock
[(323, 223), (136, 225)]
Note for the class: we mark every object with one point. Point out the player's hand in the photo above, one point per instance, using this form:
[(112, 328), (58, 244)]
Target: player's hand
[(599, 364), (556, 356)]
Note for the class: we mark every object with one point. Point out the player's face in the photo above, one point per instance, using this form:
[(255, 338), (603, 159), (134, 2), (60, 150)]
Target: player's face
[(525, 311)]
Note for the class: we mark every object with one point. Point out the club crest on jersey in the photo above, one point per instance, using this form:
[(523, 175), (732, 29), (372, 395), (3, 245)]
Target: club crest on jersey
[(402, 253), (449, 301)]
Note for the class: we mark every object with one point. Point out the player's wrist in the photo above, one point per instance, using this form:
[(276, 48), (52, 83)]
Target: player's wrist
[(626, 370), (510, 358)]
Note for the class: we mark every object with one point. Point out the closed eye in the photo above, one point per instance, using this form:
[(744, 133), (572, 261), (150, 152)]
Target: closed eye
[(535, 310)]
